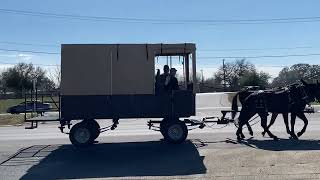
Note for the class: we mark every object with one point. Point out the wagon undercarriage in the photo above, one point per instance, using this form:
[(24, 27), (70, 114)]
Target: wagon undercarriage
[(173, 130)]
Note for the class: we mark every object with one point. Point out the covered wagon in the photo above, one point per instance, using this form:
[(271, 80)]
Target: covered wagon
[(116, 81)]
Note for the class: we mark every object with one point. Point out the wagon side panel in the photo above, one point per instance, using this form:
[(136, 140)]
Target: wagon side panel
[(132, 70), (84, 70)]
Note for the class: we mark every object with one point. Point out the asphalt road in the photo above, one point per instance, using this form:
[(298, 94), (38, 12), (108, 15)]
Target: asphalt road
[(132, 151)]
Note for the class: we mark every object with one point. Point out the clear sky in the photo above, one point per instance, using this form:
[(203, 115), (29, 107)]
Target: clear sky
[(270, 38)]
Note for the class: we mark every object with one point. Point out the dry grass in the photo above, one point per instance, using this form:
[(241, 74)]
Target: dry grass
[(11, 119), (6, 103)]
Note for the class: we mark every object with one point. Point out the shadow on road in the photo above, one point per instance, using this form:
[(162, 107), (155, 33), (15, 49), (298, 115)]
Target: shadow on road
[(271, 145), (283, 144), (154, 158)]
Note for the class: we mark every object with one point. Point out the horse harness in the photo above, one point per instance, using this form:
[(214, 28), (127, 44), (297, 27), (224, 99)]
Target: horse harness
[(296, 95), (297, 92), (261, 101)]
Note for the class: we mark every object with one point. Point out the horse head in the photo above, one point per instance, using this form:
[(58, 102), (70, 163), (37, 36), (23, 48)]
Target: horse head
[(312, 90)]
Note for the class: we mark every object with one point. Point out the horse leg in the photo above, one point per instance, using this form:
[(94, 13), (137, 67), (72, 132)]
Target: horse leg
[(264, 120), (273, 119), (286, 122), (239, 132), (293, 121), (243, 119), (249, 129), (248, 116), (305, 120)]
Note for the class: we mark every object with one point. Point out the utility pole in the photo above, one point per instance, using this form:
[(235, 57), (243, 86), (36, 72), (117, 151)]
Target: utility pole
[(224, 75), (201, 85), (201, 76)]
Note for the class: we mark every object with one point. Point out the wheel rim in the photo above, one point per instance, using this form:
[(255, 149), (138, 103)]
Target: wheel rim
[(175, 132), (82, 135)]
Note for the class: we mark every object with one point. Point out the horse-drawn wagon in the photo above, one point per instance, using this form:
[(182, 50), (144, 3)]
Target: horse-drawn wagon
[(118, 81)]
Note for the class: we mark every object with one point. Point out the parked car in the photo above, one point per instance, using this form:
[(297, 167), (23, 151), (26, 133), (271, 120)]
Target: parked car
[(28, 107)]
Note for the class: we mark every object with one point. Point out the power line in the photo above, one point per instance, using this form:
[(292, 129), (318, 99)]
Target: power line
[(203, 57), (48, 65), (200, 50), (163, 21), (257, 49), (257, 57), (27, 44), (256, 65), (29, 51)]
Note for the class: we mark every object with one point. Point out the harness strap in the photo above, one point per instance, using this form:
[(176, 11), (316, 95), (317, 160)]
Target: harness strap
[(305, 95)]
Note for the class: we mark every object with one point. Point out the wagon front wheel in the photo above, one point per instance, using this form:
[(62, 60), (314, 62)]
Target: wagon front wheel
[(81, 135), (175, 132), (163, 125)]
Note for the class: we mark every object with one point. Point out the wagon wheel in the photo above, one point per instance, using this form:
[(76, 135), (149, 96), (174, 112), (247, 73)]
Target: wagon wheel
[(94, 127), (163, 124), (81, 135), (175, 132)]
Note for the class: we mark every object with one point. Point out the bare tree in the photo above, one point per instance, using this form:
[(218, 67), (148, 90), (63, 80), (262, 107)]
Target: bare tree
[(293, 74), (20, 78), (240, 73), (55, 76)]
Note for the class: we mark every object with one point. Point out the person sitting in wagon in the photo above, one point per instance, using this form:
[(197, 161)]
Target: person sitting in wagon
[(173, 83), (163, 80)]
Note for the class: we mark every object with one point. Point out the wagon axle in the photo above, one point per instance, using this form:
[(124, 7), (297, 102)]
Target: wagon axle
[(194, 122)]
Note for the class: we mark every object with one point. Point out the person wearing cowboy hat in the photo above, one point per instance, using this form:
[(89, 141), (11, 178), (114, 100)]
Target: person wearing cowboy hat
[(173, 83)]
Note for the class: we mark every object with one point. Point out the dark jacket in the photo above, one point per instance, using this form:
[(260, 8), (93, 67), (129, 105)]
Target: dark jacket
[(160, 83), (173, 84)]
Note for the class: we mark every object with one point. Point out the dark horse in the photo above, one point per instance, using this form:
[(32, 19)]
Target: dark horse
[(292, 100), (243, 94)]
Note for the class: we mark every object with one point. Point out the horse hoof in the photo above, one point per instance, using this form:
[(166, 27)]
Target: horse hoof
[(263, 133), (275, 138), (242, 136), (294, 137), (299, 134), (251, 133)]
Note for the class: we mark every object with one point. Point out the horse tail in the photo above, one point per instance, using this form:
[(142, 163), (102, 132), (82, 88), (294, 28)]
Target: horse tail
[(234, 106)]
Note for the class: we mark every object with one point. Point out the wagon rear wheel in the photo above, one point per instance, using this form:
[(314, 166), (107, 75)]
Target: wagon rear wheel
[(81, 135), (94, 127), (175, 132)]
